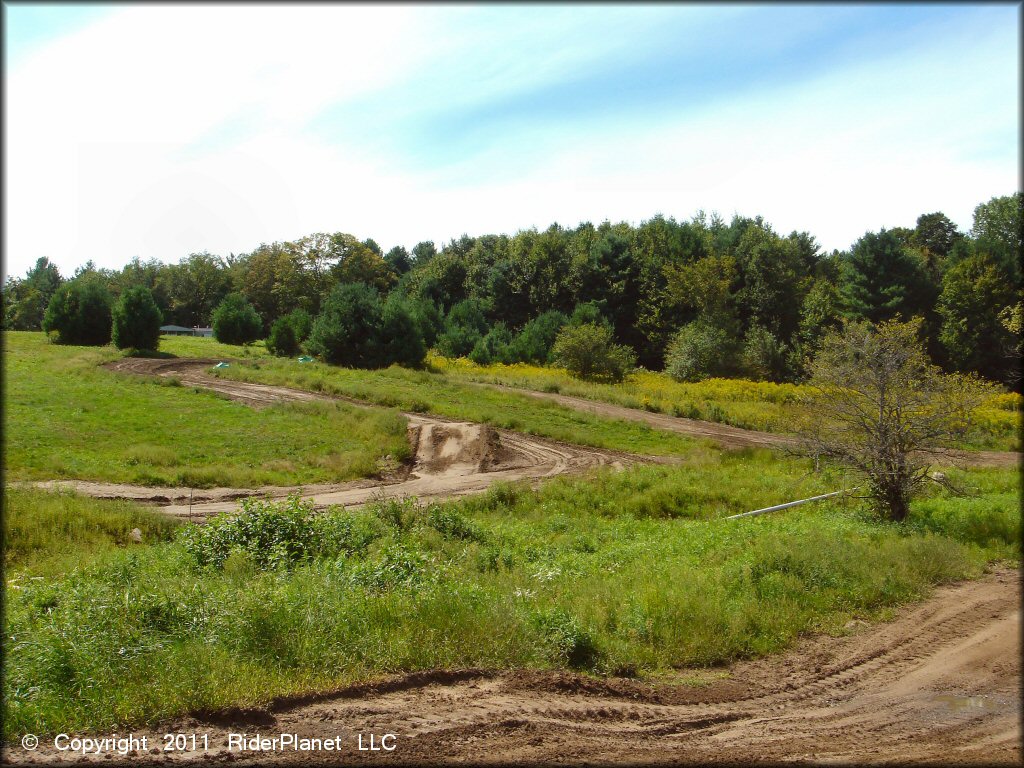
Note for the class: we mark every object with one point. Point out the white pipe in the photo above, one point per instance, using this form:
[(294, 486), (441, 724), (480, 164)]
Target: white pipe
[(786, 505)]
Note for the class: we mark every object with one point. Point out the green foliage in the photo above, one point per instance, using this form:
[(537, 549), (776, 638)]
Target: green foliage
[(79, 313), (282, 341), (577, 574), (881, 279), (534, 341), (465, 325), (699, 351), (997, 229), (25, 300), (235, 321), (494, 347), (357, 330), (136, 320), (974, 292), (764, 356), (588, 352)]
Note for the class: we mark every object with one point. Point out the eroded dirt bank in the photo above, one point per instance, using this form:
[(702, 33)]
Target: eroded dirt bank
[(940, 683)]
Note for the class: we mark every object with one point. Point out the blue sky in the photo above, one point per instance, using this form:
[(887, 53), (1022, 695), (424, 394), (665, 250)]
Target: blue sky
[(158, 130)]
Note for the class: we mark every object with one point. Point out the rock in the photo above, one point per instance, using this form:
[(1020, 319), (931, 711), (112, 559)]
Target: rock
[(136, 535), (938, 477), (855, 624)]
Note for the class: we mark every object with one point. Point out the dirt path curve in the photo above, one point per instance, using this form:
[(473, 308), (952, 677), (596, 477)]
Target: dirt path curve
[(940, 683), (723, 434), (451, 458)]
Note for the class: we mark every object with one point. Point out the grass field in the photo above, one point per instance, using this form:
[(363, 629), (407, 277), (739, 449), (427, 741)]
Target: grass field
[(424, 391), (628, 573), (760, 405), (65, 417)]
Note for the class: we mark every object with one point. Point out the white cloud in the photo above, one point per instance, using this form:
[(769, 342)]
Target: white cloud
[(164, 130)]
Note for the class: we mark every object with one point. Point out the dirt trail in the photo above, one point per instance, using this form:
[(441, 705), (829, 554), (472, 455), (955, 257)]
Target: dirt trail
[(451, 458), (725, 435), (940, 683)]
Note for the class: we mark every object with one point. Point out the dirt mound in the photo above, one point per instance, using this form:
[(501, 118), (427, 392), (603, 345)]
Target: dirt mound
[(458, 448)]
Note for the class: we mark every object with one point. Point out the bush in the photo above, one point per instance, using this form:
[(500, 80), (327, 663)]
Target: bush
[(302, 324), (700, 350), (356, 329), (764, 356), (494, 347), (79, 313), (137, 320), (403, 342), (464, 327), (235, 321), (429, 320), (534, 341), (282, 340), (588, 352)]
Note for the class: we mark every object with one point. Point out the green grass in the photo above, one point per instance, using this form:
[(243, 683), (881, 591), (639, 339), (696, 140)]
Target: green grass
[(67, 418), (198, 346), (758, 405), (623, 573), (423, 391)]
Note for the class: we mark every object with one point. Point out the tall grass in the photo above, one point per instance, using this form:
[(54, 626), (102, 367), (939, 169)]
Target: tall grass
[(622, 573), (759, 405), (66, 417)]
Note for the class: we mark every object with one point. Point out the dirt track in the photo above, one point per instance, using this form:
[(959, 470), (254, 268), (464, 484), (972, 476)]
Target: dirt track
[(451, 458), (728, 436), (940, 683)]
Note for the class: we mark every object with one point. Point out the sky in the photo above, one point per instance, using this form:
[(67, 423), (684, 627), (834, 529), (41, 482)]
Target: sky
[(160, 130)]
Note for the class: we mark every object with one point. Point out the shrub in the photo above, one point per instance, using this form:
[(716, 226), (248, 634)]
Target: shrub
[(79, 313), (282, 340), (588, 352), (235, 321), (429, 320), (403, 341), (764, 356), (534, 341), (347, 330), (699, 350), (137, 320), (464, 327), (494, 347)]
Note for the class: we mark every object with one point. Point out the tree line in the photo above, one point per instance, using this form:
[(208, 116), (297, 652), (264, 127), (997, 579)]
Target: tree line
[(697, 298)]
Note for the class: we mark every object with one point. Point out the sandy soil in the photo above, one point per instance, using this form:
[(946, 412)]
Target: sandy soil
[(940, 683)]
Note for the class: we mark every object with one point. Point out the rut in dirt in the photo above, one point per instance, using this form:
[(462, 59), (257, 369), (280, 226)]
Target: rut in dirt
[(940, 684)]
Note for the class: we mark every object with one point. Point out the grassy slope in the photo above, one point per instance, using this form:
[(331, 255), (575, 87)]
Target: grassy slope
[(630, 572), (759, 405), (67, 418)]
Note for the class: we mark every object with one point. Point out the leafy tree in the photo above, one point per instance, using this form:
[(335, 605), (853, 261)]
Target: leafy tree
[(194, 289), (79, 313), (882, 408), (997, 230), (589, 352), (403, 342), (429, 320), (235, 321), (882, 279), (936, 233), (974, 292), (423, 252), (361, 264), (25, 300), (700, 350), (136, 320), (398, 260)]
